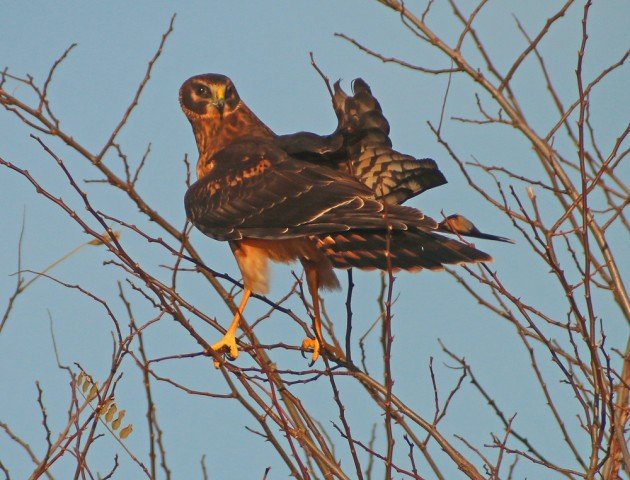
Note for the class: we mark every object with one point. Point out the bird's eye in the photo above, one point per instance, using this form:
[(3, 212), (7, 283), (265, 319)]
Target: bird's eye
[(229, 91), (201, 90)]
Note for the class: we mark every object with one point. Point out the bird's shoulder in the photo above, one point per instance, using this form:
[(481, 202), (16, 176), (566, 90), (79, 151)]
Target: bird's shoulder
[(246, 152), (250, 160)]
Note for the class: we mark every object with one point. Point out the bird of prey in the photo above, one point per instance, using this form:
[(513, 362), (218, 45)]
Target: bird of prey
[(328, 201)]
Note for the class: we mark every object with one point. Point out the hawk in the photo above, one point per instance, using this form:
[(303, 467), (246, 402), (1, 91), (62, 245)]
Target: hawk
[(328, 201)]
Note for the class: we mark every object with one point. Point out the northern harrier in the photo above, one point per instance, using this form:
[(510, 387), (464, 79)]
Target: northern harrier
[(328, 201)]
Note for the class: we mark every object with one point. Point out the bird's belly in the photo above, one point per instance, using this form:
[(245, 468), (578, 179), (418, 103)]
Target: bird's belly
[(252, 256), (283, 251)]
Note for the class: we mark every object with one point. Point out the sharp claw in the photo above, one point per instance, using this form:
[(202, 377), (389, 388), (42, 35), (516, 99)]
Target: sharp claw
[(227, 345), (311, 344), (233, 353)]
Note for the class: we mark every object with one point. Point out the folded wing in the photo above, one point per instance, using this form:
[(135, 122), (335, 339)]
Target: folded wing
[(255, 190)]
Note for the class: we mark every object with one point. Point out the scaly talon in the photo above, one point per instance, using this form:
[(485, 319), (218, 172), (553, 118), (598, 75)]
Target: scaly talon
[(311, 344), (312, 280), (227, 346)]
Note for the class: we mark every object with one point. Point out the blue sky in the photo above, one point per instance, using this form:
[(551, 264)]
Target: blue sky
[(264, 48)]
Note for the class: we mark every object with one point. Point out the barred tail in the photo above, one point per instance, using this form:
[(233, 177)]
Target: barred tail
[(409, 250)]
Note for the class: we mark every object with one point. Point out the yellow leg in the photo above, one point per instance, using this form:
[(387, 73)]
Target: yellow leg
[(312, 279), (228, 343)]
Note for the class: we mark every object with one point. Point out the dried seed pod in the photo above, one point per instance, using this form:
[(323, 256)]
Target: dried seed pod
[(87, 384), (93, 393), (111, 412), (125, 432), (105, 405), (116, 423)]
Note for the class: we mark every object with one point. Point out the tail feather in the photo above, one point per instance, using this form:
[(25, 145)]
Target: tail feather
[(460, 225), (408, 250)]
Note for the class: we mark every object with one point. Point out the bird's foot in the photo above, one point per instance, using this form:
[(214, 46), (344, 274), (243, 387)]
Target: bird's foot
[(227, 346), (311, 344)]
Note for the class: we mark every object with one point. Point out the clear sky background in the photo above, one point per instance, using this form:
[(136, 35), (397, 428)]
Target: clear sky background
[(264, 47)]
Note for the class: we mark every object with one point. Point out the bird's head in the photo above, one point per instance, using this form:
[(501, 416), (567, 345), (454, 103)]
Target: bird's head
[(210, 95)]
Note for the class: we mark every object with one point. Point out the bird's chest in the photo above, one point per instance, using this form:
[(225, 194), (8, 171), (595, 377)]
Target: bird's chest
[(212, 137)]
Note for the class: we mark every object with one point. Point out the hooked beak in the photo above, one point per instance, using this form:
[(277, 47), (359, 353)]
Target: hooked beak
[(219, 99), (220, 104)]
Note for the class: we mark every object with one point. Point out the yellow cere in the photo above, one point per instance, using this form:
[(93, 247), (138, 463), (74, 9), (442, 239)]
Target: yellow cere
[(220, 92)]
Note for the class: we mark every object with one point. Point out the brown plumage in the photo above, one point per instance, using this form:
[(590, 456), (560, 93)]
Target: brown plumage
[(328, 201), (361, 147)]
